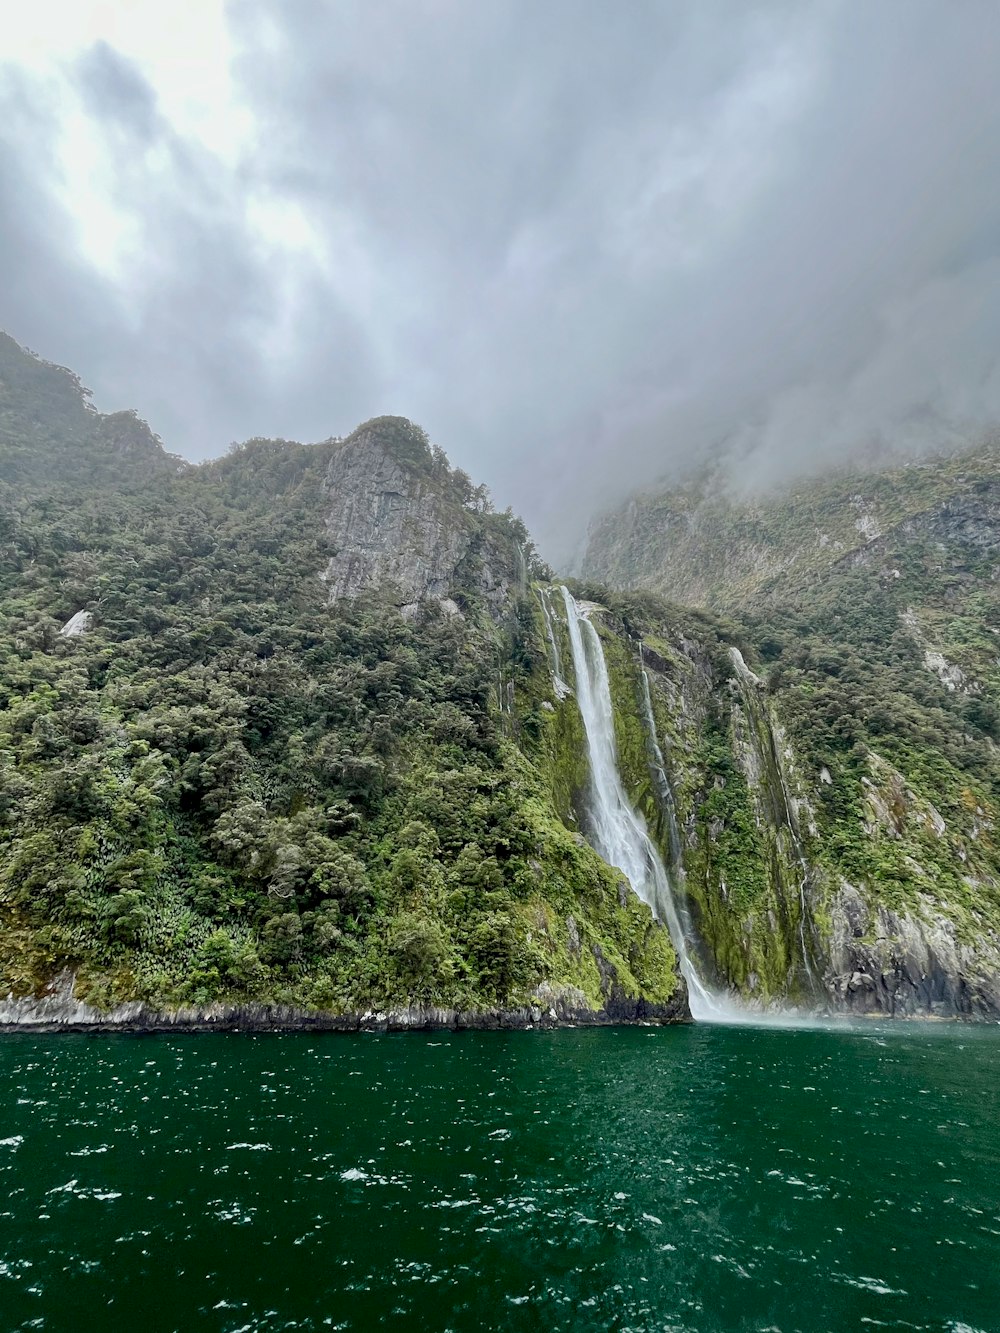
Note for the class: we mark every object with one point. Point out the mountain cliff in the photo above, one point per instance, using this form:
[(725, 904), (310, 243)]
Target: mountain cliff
[(702, 545), (233, 774), (867, 607), (399, 519), (297, 736)]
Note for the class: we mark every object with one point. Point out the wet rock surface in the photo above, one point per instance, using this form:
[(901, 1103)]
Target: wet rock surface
[(57, 1010), (883, 962)]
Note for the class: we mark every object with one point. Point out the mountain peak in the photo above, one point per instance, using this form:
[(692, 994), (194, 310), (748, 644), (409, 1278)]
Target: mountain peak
[(399, 515), (50, 432)]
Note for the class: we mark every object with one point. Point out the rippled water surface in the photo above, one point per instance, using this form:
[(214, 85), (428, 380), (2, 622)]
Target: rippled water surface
[(681, 1178)]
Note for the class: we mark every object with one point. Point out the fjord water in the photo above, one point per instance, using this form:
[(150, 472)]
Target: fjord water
[(686, 1178)]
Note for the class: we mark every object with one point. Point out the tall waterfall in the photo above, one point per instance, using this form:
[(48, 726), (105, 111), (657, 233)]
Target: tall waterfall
[(618, 830)]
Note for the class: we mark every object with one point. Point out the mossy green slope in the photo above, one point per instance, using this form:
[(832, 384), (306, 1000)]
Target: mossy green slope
[(869, 741), (723, 824), (227, 789)]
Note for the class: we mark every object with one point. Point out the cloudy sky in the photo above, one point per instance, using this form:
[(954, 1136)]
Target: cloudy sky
[(581, 242)]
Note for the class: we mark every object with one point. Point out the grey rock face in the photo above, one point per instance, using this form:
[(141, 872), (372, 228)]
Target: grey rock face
[(77, 625), (401, 525), (971, 522), (966, 520), (551, 1006), (884, 962)]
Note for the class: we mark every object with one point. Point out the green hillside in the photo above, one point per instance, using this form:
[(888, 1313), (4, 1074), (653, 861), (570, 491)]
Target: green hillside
[(224, 787), (303, 727), (50, 435)]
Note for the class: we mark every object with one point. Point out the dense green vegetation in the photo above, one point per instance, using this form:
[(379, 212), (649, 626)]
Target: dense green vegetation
[(723, 824), (903, 764), (226, 788), (868, 606)]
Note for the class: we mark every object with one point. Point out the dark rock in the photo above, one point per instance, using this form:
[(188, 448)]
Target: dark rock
[(58, 1011)]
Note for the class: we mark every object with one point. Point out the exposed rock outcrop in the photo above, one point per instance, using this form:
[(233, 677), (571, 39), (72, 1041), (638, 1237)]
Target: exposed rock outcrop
[(58, 1010), (701, 544), (77, 625), (884, 962), (401, 520)]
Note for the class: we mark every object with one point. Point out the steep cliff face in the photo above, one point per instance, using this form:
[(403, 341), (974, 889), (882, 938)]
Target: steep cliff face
[(670, 679), (242, 796), (917, 933), (847, 889), (400, 520), (226, 781), (865, 729), (909, 964), (703, 545)]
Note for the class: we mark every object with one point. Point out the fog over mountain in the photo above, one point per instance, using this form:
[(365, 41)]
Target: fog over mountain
[(582, 244)]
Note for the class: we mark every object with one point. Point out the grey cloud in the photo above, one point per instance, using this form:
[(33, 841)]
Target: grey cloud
[(185, 337), (115, 93), (584, 245), (43, 290)]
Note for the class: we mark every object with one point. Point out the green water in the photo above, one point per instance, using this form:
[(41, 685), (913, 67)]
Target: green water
[(629, 1179)]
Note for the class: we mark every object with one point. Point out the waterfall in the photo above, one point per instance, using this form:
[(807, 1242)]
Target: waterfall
[(522, 568), (506, 699), (618, 830), (559, 686), (662, 782), (754, 706)]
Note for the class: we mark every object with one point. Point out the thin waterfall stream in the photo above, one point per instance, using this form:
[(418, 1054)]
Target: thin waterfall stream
[(751, 683), (618, 831), (562, 690), (660, 771)]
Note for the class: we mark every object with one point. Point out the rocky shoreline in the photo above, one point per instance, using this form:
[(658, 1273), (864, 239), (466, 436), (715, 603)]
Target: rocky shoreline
[(850, 999), (58, 1010)]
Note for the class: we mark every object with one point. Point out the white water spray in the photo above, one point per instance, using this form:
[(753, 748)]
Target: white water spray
[(522, 568), (618, 830)]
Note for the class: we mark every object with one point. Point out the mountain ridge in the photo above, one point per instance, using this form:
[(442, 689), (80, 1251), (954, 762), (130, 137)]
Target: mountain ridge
[(233, 788), (295, 728), (51, 434), (708, 548)]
